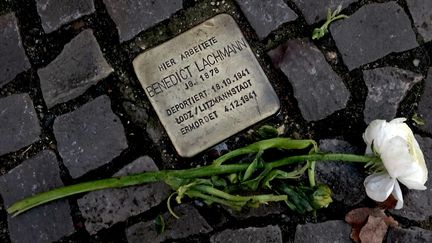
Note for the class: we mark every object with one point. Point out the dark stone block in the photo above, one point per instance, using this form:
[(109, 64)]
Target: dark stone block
[(413, 234), (79, 66), (425, 104), (45, 223), (19, 123), (386, 89), (89, 137), (268, 234), (421, 12), (134, 16), (317, 88), (372, 32), (102, 209), (190, 223), (56, 13), (13, 59), (266, 16), (329, 231), (345, 179), (315, 11)]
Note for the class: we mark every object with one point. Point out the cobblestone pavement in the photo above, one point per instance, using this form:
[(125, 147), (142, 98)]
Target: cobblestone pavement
[(72, 109)]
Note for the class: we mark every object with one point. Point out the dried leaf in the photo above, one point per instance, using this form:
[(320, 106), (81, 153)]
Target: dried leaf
[(374, 230), (357, 218)]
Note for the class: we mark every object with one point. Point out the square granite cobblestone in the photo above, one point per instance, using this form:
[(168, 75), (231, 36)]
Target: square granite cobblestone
[(372, 32), (190, 222), (102, 209), (425, 104), (46, 223), (268, 234), (89, 137), (317, 88), (387, 87), (421, 12), (80, 65), (19, 125), (58, 12), (13, 59), (329, 231), (316, 10), (134, 16), (266, 16)]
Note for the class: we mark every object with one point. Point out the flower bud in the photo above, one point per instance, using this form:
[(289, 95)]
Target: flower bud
[(321, 197)]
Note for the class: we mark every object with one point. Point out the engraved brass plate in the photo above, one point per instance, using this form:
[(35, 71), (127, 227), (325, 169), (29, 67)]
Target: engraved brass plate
[(205, 85)]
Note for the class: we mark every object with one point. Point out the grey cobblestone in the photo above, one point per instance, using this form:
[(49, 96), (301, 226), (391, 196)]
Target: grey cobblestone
[(425, 104), (372, 32), (79, 66), (422, 15), (386, 88), (89, 137), (329, 231), (189, 223), (19, 123), (56, 13), (102, 209), (315, 11), (317, 88), (13, 59), (345, 179), (266, 16), (413, 234), (46, 223), (134, 16), (268, 234), (417, 203)]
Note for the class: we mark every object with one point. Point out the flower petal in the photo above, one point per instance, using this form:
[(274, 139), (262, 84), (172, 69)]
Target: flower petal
[(396, 157), (397, 193), (373, 132), (379, 186)]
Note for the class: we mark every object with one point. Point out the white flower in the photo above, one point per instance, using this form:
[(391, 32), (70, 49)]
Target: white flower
[(402, 158)]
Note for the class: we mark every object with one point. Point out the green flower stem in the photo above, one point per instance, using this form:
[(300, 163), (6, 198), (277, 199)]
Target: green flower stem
[(147, 177), (311, 173)]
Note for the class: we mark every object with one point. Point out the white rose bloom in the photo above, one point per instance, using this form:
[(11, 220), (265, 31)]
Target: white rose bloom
[(402, 157)]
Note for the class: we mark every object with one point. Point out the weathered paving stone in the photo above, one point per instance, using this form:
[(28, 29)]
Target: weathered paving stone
[(413, 234), (372, 32), (56, 13), (45, 223), (89, 137), (268, 234), (317, 88), (190, 223), (417, 203), (13, 59), (344, 179), (261, 211), (134, 16), (386, 88), (19, 123), (102, 209), (266, 16), (79, 66), (315, 11), (422, 15), (425, 104), (330, 231)]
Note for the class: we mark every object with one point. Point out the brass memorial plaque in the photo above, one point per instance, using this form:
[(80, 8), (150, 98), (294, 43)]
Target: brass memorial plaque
[(205, 85)]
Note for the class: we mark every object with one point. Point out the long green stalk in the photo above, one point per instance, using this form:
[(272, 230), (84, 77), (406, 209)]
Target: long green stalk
[(148, 177)]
